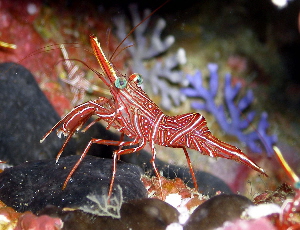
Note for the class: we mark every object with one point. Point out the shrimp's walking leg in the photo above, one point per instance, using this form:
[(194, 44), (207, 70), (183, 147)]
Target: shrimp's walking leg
[(120, 152), (156, 171), (115, 154), (191, 168)]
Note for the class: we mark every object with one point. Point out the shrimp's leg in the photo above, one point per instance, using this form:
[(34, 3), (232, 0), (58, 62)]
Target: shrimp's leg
[(106, 142), (191, 168)]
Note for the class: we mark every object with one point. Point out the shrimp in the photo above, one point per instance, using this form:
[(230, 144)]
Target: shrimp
[(133, 113)]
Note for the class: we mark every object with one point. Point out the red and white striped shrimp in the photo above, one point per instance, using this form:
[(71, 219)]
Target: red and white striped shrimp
[(133, 113)]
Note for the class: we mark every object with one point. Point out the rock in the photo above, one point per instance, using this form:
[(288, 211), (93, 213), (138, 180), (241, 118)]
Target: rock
[(148, 214), (34, 185), (26, 115), (215, 211), (142, 214)]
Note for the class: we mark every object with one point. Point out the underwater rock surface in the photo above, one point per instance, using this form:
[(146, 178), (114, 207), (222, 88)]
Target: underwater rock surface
[(218, 209), (142, 214), (149, 213), (26, 115), (34, 185)]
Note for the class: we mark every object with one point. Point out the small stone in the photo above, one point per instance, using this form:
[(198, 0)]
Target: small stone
[(148, 214), (215, 211)]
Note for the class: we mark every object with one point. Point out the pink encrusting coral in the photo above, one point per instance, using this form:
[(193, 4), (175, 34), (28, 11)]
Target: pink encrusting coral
[(11, 219), (29, 221), (258, 224)]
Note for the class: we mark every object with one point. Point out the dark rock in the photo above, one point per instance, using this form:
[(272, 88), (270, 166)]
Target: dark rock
[(26, 115), (143, 214), (148, 214), (215, 211), (34, 185), (79, 220)]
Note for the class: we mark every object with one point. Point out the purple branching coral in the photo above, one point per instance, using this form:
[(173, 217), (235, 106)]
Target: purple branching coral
[(229, 116), (162, 73)]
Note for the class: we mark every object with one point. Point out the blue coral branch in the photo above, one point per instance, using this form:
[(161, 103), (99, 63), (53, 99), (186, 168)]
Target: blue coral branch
[(230, 116)]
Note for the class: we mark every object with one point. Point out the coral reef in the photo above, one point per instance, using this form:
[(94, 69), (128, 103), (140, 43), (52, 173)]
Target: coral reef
[(230, 116), (162, 78), (162, 72)]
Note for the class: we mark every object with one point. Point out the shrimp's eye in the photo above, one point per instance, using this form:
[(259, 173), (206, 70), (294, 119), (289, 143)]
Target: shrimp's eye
[(136, 78), (121, 83)]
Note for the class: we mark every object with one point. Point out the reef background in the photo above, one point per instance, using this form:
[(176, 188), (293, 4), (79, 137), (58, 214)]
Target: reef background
[(255, 41)]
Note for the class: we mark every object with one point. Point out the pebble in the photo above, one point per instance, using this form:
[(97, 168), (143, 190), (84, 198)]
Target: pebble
[(215, 211)]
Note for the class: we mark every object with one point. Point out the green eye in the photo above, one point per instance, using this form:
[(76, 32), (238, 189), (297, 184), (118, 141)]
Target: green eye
[(136, 78), (121, 82)]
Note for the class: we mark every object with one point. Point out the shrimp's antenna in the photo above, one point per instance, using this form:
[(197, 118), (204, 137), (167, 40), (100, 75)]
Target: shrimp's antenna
[(133, 29)]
